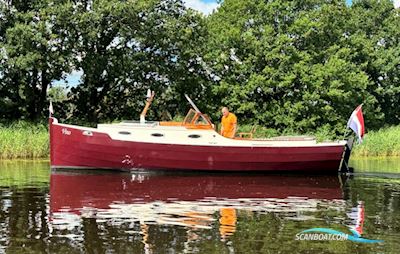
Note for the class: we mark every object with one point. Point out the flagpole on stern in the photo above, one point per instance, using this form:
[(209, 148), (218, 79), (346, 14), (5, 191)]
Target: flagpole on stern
[(51, 111), (355, 123)]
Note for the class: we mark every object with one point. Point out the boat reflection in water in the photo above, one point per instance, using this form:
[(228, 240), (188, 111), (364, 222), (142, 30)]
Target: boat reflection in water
[(195, 201)]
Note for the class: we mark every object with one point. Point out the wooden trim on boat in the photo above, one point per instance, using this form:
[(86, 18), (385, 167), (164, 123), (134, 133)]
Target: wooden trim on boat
[(188, 126), (170, 123)]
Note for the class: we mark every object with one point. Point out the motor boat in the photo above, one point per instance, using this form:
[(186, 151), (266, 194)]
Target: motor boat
[(192, 144)]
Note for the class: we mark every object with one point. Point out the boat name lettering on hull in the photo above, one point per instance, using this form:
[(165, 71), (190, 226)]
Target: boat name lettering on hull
[(65, 131)]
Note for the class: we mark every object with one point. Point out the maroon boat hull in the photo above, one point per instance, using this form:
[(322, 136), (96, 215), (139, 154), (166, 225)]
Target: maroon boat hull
[(76, 150)]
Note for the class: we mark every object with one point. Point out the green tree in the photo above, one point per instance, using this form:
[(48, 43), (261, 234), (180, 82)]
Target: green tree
[(7, 107), (294, 66), (124, 48), (374, 25), (35, 54), (289, 65)]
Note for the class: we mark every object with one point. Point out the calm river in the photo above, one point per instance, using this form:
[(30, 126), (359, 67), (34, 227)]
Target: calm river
[(106, 212)]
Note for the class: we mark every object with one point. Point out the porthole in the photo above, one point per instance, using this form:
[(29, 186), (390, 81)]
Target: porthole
[(124, 132), (194, 136), (87, 133), (157, 135)]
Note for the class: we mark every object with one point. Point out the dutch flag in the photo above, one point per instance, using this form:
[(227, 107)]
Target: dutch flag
[(356, 123)]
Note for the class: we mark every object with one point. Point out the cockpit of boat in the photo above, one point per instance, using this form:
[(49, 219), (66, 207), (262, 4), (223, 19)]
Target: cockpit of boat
[(192, 120)]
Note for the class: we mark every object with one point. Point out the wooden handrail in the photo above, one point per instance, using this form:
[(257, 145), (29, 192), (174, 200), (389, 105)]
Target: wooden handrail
[(146, 107)]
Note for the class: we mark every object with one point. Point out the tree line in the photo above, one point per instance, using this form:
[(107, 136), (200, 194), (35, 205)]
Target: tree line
[(286, 65)]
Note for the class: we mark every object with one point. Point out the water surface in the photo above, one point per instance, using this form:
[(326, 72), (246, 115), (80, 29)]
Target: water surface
[(108, 212)]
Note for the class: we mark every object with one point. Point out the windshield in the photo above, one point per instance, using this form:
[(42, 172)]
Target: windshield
[(194, 118)]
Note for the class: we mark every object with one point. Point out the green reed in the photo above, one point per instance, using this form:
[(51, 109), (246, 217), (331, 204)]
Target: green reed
[(384, 142), (24, 140)]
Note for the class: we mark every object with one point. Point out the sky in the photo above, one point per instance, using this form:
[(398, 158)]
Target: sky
[(207, 6), (204, 6)]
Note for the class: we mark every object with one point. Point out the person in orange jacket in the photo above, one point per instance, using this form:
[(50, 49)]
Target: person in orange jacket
[(228, 123)]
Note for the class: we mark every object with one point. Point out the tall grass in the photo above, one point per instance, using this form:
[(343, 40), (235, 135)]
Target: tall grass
[(384, 142), (24, 140)]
